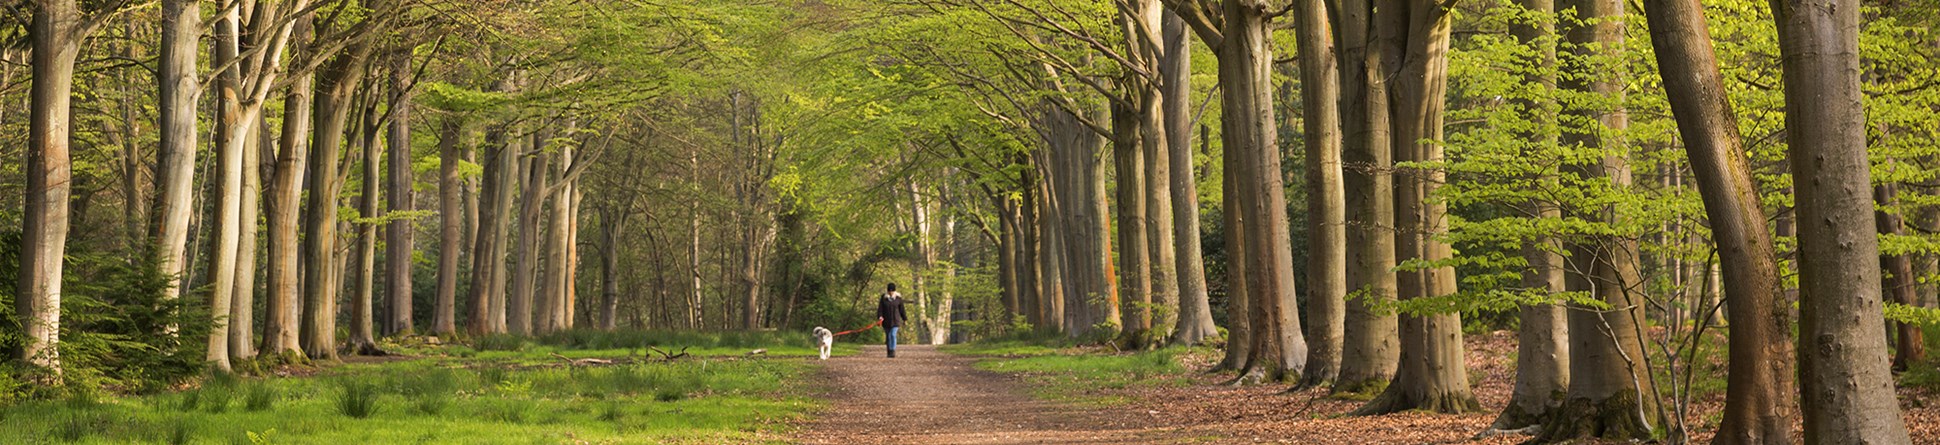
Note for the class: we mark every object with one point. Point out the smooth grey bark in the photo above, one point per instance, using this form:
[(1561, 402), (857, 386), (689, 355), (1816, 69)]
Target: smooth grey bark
[(231, 135), (57, 30), (532, 202), (495, 209), (363, 321), (1611, 393), (451, 220), (400, 234), (1326, 200), (1542, 337), (1175, 68), (1091, 302), (1134, 253), (283, 306), (175, 169), (1845, 384), (337, 81), (1412, 43), (1759, 405), (1371, 350), (1049, 248)]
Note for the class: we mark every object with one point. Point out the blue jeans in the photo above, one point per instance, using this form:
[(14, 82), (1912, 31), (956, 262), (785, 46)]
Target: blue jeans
[(892, 338)]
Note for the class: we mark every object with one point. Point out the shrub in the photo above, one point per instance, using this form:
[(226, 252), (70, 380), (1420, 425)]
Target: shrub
[(259, 398), (357, 400)]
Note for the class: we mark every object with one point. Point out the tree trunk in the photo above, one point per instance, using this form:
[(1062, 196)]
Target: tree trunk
[(175, 169), (1134, 255), (284, 306), (1049, 249), (1758, 398), (1413, 43), (558, 245), (444, 311), (242, 306), (1542, 339), (1899, 279), (694, 321), (1239, 332), (232, 133), (1245, 77), (519, 301), (1091, 305), (400, 234), (337, 82), (612, 224), (1611, 393), (1370, 351), (1175, 67), (495, 208), (363, 322), (1326, 202), (57, 31)]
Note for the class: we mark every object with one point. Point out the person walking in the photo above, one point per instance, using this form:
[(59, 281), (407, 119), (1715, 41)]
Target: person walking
[(890, 313)]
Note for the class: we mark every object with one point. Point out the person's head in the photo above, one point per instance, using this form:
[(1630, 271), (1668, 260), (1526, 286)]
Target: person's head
[(892, 287)]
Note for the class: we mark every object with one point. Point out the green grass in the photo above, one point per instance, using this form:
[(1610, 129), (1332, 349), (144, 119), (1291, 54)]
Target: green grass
[(1073, 376), (489, 397)]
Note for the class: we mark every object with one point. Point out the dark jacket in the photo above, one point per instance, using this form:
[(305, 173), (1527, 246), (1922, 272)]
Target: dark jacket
[(890, 310)]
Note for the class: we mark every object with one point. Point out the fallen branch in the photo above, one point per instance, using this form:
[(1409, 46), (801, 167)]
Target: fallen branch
[(664, 355), (582, 361)]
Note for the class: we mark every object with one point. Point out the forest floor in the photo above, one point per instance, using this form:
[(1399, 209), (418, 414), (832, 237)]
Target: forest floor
[(1011, 394)]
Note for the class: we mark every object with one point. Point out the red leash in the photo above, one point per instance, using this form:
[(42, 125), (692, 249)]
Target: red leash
[(865, 328)]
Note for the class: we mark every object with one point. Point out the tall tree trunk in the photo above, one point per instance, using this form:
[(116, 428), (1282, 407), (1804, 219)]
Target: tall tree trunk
[(1091, 303), (1370, 350), (1611, 393), (444, 310), (495, 208), (945, 299), (337, 82), (175, 169), (1239, 325), (1245, 79), (612, 224), (1542, 339), (1413, 44), (284, 305), (400, 234), (57, 31), (558, 243), (1175, 68), (1134, 255), (1049, 249), (1758, 399), (242, 306), (1326, 200), (1898, 282), (1844, 380), (232, 133), (363, 321), (532, 202), (694, 321)]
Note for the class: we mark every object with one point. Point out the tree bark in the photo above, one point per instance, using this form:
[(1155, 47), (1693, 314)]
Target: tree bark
[(400, 234), (1326, 200), (1239, 310), (444, 310), (1758, 401), (1249, 128), (1175, 67), (1542, 339), (1134, 255), (1371, 351), (175, 169), (1049, 248), (232, 133), (363, 321), (284, 306), (495, 208), (337, 82), (57, 31), (1413, 41), (532, 202)]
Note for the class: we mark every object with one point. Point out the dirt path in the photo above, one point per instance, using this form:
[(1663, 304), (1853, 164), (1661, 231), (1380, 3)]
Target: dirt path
[(925, 396)]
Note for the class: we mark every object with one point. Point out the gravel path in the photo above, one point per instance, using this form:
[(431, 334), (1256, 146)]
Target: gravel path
[(925, 396)]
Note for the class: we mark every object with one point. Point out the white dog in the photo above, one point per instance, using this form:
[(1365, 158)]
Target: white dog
[(824, 340)]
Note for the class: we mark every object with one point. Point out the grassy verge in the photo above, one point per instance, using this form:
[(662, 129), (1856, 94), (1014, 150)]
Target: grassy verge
[(459, 394), (1078, 376)]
